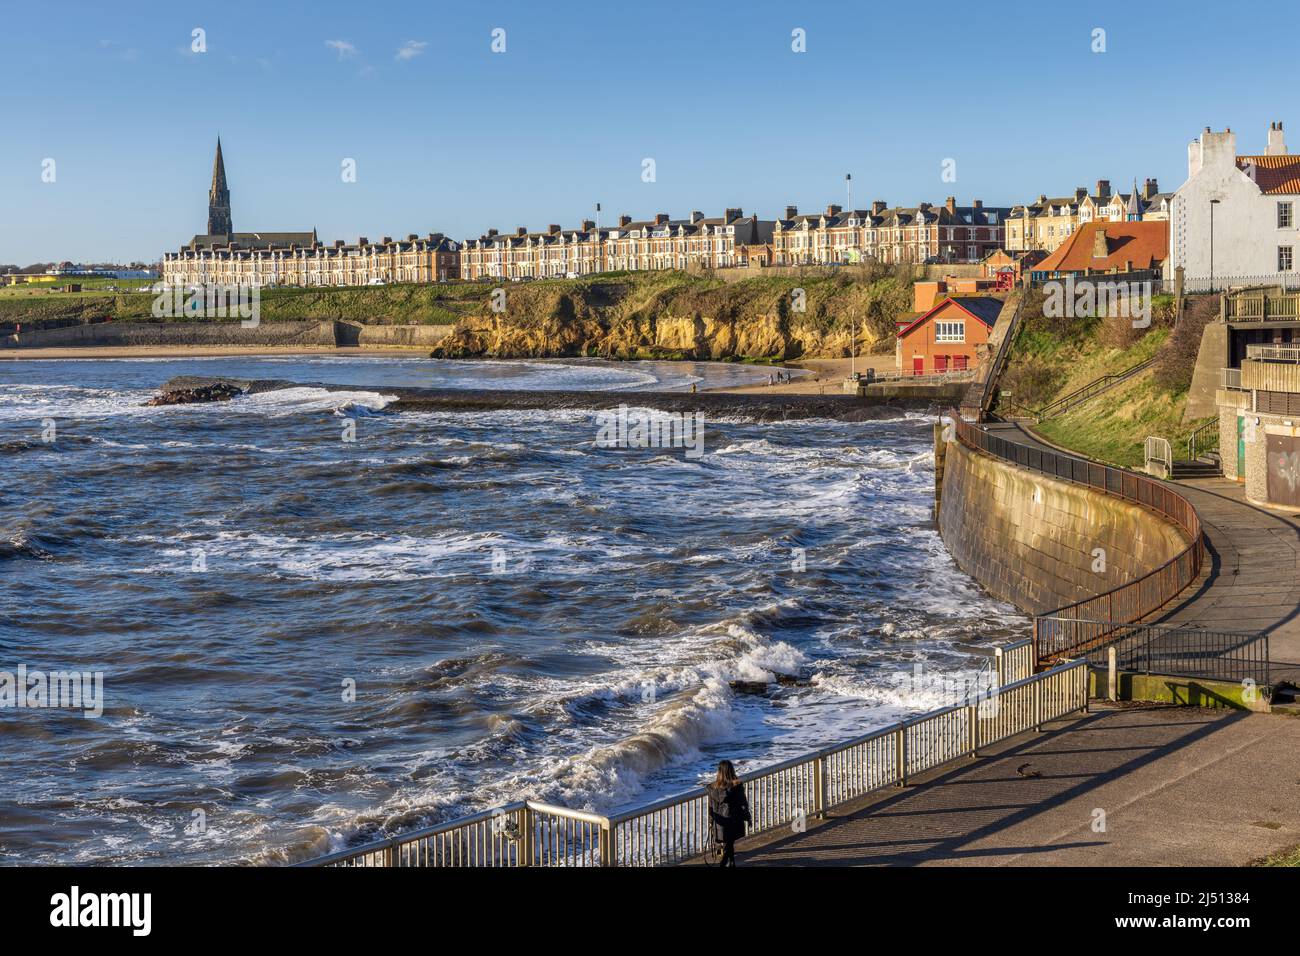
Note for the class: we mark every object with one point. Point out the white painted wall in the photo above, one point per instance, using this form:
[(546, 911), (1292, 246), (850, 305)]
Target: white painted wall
[(1246, 236)]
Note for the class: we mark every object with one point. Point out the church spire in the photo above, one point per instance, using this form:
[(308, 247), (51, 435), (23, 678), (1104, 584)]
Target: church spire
[(219, 199)]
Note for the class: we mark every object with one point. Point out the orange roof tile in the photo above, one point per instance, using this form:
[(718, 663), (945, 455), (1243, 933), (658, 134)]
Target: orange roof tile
[(1278, 175), (1143, 244)]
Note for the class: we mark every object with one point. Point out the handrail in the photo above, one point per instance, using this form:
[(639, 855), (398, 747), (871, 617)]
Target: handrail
[(1157, 450), (1000, 358), (676, 828), (1126, 603), (1273, 353), (1094, 388), (1194, 444)]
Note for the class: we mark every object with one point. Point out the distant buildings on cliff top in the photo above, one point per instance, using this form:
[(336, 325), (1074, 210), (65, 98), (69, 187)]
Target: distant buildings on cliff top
[(1233, 221)]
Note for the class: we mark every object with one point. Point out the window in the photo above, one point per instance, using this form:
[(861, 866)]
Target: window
[(950, 331), (1284, 220), (1284, 259)]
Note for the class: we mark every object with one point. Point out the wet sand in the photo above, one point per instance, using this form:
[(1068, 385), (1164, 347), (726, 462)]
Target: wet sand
[(824, 376)]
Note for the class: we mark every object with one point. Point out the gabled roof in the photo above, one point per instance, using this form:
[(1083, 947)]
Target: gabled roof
[(1275, 175), (983, 308), (1143, 244)]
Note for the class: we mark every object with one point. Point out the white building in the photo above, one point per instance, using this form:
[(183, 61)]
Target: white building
[(1234, 222)]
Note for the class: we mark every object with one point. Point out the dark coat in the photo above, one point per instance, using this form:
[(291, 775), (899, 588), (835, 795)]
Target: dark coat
[(728, 812)]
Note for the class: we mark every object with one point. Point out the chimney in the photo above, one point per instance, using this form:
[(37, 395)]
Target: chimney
[(1276, 144), (363, 241), (623, 221), (878, 206), (338, 243), (1080, 194), (924, 207), (733, 213), (388, 240), (553, 229), (696, 216), (1103, 188), (950, 204), (661, 218), (1042, 199), (791, 212), (521, 230), (978, 203), (411, 237), (492, 233), (832, 210), (588, 225), (1100, 247)]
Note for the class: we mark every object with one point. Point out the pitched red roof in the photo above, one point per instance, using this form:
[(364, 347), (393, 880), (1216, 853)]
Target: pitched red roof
[(1144, 244), (1275, 175)]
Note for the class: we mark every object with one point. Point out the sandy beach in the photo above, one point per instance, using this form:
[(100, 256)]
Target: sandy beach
[(824, 376)]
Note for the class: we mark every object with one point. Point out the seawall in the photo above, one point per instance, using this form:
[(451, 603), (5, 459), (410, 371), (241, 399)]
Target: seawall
[(308, 332), (1037, 542)]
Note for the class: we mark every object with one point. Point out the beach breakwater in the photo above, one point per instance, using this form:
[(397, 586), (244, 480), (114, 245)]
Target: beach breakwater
[(1038, 542)]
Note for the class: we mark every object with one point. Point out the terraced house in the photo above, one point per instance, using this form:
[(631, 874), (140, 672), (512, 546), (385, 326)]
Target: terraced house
[(644, 245), (920, 234), (432, 258)]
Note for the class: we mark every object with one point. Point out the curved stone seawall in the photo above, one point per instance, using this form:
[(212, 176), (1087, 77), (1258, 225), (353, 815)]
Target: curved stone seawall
[(1031, 540), (104, 334)]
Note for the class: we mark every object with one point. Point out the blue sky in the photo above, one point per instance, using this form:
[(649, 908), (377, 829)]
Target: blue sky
[(452, 137)]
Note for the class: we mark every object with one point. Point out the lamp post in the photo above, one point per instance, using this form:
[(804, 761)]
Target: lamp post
[(1213, 203)]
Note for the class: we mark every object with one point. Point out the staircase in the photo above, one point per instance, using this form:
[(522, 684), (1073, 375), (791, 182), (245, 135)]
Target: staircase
[(1204, 466)]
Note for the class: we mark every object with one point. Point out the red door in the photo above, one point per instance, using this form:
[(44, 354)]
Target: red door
[(941, 363), (918, 365)]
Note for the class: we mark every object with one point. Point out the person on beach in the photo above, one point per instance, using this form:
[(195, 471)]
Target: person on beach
[(728, 812)]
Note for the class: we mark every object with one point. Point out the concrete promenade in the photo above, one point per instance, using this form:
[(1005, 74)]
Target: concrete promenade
[(1179, 786), (1251, 579)]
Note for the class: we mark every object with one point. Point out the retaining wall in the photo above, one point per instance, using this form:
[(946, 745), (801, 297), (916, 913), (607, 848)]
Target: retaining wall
[(1031, 540), (107, 334)]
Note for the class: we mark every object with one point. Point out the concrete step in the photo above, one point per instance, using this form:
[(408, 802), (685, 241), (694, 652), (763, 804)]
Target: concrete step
[(1196, 469)]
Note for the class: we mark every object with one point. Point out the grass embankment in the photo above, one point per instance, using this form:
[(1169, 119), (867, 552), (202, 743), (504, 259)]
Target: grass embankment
[(871, 297), (1053, 357)]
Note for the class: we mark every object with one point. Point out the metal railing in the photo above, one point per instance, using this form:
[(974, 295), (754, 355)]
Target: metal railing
[(677, 828), (1094, 388), (1180, 651), (1273, 353), (1202, 439), (1158, 451), (923, 378), (1126, 603), (1230, 378)]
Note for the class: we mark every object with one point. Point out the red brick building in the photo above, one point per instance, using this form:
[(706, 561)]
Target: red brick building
[(948, 338)]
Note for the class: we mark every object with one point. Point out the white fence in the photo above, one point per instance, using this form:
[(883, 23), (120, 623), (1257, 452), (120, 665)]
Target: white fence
[(668, 831)]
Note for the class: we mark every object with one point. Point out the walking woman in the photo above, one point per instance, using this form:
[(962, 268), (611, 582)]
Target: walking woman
[(728, 811)]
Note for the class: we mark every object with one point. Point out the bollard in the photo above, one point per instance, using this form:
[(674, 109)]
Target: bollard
[(1112, 678)]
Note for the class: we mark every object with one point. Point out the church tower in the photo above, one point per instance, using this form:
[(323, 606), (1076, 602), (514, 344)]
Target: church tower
[(219, 199)]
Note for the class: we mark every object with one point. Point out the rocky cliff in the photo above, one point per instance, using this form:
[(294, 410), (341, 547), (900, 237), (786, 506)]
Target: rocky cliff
[(677, 316)]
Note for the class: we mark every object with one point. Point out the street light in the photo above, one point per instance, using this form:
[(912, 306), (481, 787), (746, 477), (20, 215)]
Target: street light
[(1213, 203)]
